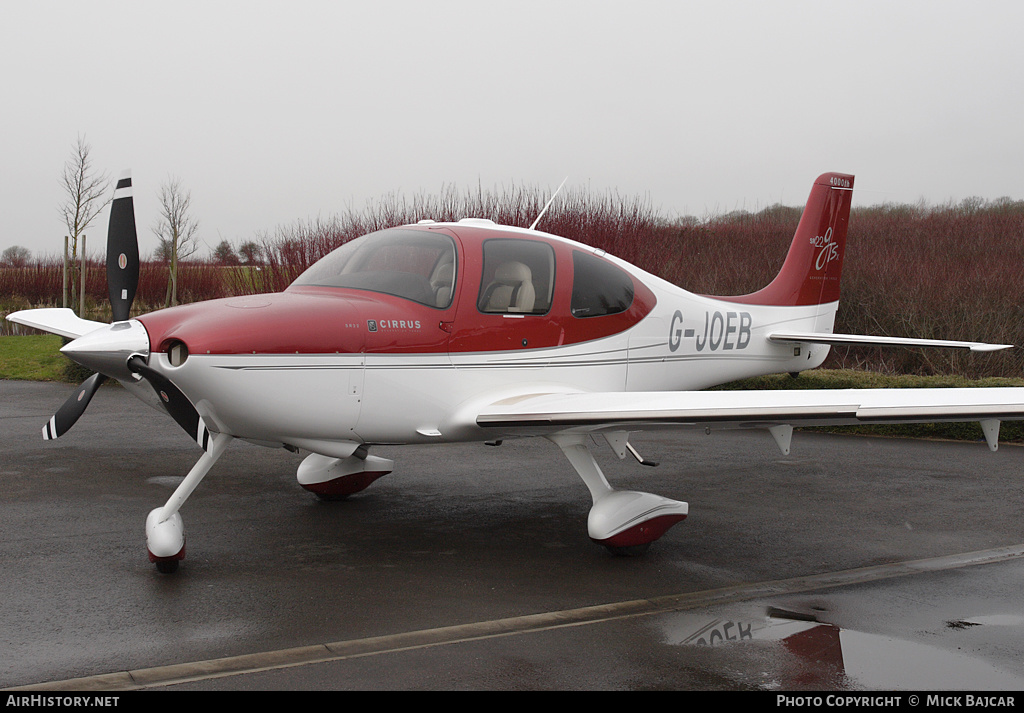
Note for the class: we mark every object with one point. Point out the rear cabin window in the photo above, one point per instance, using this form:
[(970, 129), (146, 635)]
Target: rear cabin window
[(414, 264), (518, 277), (598, 287)]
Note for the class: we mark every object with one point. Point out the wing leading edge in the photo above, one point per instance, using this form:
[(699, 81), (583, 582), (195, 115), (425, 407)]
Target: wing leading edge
[(547, 414), (56, 320)]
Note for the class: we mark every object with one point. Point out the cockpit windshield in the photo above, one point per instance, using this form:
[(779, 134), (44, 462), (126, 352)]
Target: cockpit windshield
[(414, 264)]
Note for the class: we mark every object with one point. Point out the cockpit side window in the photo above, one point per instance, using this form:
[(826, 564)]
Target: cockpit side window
[(518, 277), (414, 264), (598, 287)]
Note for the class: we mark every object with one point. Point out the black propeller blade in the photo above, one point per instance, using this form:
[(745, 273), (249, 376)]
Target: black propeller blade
[(73, 408), (122, 250), (122, 281), (176, 403)]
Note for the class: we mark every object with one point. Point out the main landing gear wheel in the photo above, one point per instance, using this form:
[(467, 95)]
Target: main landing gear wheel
[(334, 479), (630, 551), (330, 498), (626, 522)]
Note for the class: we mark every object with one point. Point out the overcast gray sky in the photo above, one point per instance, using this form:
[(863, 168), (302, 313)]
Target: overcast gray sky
[(273, 112)]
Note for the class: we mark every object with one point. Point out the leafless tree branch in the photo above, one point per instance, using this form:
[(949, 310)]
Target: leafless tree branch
[(84, 197), (175, 228), (84, 191)]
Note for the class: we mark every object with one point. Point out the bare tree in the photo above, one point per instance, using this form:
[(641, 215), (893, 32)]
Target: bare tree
[(176, 230), (84, 192)]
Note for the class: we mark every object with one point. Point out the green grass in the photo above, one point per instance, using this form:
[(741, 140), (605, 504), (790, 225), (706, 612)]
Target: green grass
[(32, 358)]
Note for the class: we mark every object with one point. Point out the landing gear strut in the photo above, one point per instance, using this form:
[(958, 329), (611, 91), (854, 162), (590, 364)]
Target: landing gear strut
[(165, 530), (626, 522)]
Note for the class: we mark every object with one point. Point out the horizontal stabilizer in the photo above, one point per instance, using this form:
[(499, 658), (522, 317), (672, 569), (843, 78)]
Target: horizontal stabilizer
[(865, 340), (55, 320)]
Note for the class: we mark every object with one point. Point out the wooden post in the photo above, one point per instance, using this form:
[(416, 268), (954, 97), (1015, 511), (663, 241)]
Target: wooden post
[(65, 291), (81, 304)]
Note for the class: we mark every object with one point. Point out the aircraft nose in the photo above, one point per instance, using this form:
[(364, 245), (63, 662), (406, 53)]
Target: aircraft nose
[(107, 349)]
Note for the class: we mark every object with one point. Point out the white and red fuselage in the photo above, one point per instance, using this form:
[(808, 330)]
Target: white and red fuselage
[(318, 364)]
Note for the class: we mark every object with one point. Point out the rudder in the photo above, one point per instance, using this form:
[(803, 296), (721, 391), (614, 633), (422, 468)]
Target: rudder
[(810, 275)]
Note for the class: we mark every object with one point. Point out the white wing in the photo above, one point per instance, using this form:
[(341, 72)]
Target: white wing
[(56, 320), (546, 414)]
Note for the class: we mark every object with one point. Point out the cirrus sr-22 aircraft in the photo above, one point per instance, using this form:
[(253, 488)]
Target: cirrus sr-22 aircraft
[(472, 331)]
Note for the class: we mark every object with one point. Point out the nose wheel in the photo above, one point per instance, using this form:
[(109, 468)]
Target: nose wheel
[(165, 541), (167, 566), (165, 530)]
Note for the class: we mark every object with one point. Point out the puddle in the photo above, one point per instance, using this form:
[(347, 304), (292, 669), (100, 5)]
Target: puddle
[(848, 659), (996, 620)]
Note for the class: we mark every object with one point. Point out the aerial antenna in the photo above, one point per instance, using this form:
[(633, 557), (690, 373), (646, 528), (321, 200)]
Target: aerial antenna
[(548, 204)]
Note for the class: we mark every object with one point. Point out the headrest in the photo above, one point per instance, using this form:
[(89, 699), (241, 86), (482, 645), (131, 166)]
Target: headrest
[(512, 273)]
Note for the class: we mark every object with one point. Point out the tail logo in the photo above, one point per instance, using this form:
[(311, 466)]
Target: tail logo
[(829, 249)]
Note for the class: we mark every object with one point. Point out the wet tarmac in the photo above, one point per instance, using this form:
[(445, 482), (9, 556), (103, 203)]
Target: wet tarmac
[(852, 564)]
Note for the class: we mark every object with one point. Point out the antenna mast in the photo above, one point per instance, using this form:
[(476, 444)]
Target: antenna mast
[(548, 204)]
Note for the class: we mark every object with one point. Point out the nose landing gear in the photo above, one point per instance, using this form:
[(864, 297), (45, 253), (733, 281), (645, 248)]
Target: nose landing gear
[(165, 529)]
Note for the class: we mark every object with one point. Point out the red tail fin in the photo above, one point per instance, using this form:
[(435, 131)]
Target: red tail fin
[(811, 272)]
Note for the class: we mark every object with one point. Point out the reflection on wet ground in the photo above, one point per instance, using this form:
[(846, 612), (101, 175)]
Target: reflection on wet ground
[(823, 655), (993, 620)]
